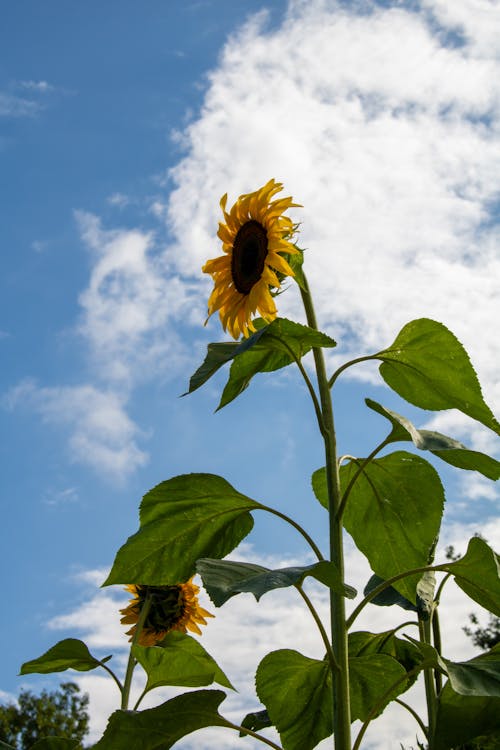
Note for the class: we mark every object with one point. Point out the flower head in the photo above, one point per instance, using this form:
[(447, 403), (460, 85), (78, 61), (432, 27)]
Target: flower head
[(255, 236), (171, 608)]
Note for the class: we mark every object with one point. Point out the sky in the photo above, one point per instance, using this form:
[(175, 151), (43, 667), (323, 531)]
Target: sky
[(121, 125)]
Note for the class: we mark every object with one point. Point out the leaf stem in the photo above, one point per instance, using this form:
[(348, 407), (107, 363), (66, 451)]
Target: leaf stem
[(115, 678), (297, 526), (340, 694), (349, 364), (414, 714), (385, 585), (250, 732), (331, 656), (131, 659), (430, 690), (361, 467)]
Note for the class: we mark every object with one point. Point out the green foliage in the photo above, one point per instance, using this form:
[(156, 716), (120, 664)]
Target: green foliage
[(69, 653), (226, 578), (442, 446), (393, 513), (161, 727), (272, 347), (183, 519), (478, 574), (428, 366), (179, 660), (61, 713), (296, 691)]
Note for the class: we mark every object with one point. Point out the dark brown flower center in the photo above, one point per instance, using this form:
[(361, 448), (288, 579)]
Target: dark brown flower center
[(166, 609), (249, 255)]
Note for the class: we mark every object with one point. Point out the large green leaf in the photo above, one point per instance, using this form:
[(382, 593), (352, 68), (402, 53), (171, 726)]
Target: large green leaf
[(180, 660), (69, 653), (161, 727), (388, 596), (371, 679), (225, 578), (217, 355), (462, 718), (430, 368), (393, 513), (297, 692), (478, 574), (183, 519), (446, 448), (478, 676), (271, 348)]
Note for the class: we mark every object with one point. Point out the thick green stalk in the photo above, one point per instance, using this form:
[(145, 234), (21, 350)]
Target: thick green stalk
[(430, 688), (341, 707)]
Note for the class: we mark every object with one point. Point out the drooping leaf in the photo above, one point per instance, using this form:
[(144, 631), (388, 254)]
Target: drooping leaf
[(442, 446), (388, 596), (183, 519), (479, 676), (371, 677), (393, 513), (161, 727), (478, 574), (425, 594), (53, 743), (463, 718), (217, 355), (363, 643), (297, 692), (179, 660), (430, 368), (274, 346), (223, 579), (69, 653), (256, 720)]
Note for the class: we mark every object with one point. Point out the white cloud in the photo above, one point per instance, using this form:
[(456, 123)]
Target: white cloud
[(17, 106), (102, 436), (243, 632), (119, 200), (387, 132), (38, 86)]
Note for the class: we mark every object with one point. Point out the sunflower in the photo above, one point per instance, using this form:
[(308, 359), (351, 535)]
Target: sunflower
[(171, 608), (255, 236)]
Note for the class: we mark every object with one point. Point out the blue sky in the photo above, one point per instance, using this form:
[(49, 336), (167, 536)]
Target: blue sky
[(121, 125)]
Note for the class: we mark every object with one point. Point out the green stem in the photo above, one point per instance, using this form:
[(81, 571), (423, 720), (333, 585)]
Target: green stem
[(436, 638), (360, 470), (430, 691), (307, 381), (139, 699), (115, 678), (414, 714), (250, 732), (341, 706), (385, 585), (297, 526), (349, 364), (131, 660), (317, 620)]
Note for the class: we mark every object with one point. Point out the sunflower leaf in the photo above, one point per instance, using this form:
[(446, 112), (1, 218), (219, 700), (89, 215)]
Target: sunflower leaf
[(163, 726), (179, 660), (69, 653), (52, 743), (430, 368), (296, 691), (393, 513), (256, 720), (274, 346), (388, 596), (182, 519), (217, 355), (478, 574), (463, 718), (223, 579), (371, 676), (442, 446)]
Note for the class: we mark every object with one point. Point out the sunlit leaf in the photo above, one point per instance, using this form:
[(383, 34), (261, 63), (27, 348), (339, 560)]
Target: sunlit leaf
[(183, 519), (225, 578), (446, 448), (161, 727), (180, 660), (69, 653), (430, 368), (217, 355), (393, 513), (271, 348)]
